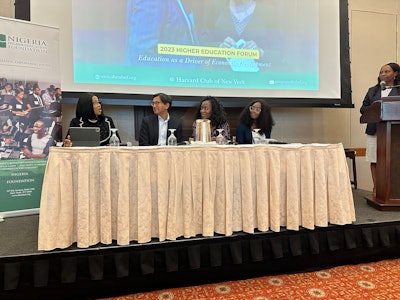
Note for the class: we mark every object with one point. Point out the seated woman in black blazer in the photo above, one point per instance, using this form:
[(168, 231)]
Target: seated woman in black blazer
[(89, 113), (257, 114)]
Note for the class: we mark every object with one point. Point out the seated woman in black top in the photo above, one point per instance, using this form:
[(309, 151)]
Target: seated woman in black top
[(257, 114), (89, 113)]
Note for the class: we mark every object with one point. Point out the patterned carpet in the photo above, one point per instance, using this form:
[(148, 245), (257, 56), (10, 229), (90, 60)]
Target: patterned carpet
[(378, 280)]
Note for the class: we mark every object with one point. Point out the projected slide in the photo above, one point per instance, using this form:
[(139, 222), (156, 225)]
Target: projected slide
[(209, 44)]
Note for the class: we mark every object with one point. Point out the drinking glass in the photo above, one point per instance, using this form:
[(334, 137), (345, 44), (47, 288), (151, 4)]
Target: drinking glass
[(114, 140), (257, 137), (172, 141), (220, 139)]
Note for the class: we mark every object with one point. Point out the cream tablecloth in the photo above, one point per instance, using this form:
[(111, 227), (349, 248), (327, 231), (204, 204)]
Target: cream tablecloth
[(97, 195)]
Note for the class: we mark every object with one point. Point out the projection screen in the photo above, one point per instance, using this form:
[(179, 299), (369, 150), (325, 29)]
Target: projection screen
[(287, 50)]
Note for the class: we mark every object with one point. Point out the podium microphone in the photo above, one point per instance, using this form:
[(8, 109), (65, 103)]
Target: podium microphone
[(383, 85)]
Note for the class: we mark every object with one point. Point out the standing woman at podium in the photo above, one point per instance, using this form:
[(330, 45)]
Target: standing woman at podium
[(387, 85)]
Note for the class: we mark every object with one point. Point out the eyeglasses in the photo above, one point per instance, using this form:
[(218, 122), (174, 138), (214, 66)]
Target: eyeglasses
[(156, 103), (256, 109)]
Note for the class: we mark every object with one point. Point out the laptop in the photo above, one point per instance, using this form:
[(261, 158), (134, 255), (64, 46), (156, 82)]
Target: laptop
[(85, 136)]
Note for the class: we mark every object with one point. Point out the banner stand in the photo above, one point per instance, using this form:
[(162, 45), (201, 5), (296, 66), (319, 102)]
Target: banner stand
[(30, 112)]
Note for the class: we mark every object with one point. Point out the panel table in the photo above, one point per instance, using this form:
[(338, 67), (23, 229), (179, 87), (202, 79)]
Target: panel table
[(97, 195)]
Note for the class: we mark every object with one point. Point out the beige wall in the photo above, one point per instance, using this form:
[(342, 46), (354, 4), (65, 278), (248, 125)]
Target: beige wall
[(374, 32), (7, 8), (374, 35)]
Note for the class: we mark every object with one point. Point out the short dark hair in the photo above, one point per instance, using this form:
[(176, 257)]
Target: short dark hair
[(164, 98), (396, 68)]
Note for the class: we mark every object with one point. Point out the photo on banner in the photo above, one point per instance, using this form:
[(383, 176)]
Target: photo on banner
[(30, 109)]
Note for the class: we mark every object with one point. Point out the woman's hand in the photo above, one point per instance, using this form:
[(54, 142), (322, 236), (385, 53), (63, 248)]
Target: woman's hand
[(68, 142)]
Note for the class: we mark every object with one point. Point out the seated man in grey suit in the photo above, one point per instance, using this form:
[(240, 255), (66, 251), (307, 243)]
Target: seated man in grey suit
[(154, 128)]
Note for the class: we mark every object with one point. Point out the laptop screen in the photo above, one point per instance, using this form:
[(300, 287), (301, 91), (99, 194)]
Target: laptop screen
[(85, 136)]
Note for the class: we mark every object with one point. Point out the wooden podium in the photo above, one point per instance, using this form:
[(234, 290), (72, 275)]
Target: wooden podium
[(386, 113)]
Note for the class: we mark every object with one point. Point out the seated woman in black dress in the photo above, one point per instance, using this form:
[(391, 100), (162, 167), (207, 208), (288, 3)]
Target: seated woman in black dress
[(89, 113), (257, 114)]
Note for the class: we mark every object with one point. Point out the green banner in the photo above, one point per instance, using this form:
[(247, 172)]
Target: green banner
[(21, 183), (30, 113)]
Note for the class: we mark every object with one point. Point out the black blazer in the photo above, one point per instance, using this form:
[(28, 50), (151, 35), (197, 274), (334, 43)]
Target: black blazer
[(374, 94), (149, 130)]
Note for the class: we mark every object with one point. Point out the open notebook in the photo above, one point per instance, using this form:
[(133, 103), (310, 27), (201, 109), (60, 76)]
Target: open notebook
[(85, 136)]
